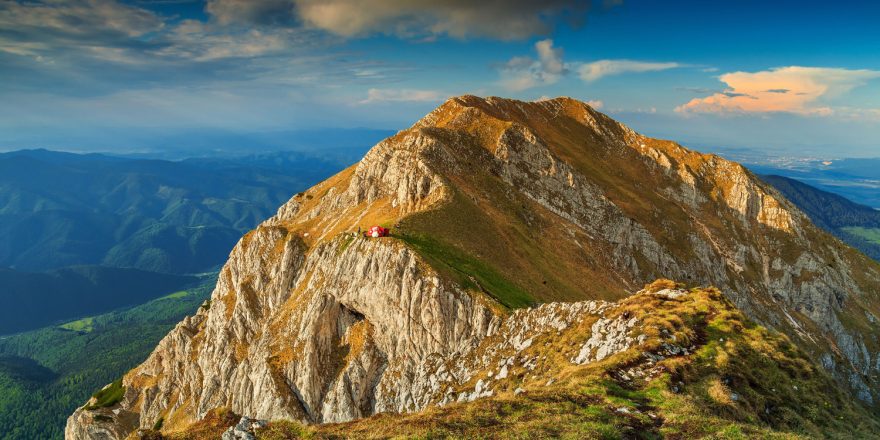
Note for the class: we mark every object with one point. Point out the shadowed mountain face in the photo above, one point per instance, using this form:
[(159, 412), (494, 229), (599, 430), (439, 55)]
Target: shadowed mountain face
[(60, 209), (494, 205), (33, 300), (857, 225)]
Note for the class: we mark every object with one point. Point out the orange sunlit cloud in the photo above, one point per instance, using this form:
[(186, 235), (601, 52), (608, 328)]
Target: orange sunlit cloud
[(794, 89)]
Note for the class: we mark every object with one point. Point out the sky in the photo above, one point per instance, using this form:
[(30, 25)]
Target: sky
[(781, 78)]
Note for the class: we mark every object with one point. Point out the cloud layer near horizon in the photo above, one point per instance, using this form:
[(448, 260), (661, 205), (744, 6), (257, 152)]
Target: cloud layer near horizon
[(793, 89), (598, 69)]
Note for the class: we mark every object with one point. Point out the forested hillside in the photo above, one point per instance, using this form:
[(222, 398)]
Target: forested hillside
[(45, 374), (855, 224), (33, 300), (61, 209)]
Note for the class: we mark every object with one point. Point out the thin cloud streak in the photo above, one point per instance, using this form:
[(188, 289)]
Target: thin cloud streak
[(401, 95), (599, 69), (522, 73)]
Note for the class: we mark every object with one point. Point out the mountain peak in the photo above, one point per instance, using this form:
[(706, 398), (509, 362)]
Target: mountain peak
[(513, 110), (494, 205)]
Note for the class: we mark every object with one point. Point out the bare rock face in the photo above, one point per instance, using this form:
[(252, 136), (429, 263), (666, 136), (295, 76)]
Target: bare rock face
[(311, 322)]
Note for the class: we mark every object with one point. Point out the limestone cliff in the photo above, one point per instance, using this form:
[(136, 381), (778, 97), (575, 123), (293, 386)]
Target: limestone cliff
[(494, 205)]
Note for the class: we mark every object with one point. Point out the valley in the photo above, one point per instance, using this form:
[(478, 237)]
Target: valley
[(46, 373)]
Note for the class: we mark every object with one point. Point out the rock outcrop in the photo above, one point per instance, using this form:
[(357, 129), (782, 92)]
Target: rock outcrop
[(491, 201)]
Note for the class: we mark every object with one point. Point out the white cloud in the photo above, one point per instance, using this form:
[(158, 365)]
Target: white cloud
[(599, 69), (34, 29), (82, 31), (200, 41), (252, 12), (858, 114), (401, 95), (550, 57), (521, 73), (78, 19), (793, 89)]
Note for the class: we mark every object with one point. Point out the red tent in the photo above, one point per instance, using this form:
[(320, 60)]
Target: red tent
[(376, 232)]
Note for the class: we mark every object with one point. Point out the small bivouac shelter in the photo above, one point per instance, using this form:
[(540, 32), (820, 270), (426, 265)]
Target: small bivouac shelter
[(376, 232)]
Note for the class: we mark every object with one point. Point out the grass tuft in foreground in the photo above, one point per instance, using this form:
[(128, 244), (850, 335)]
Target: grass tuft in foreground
[(108, 396)]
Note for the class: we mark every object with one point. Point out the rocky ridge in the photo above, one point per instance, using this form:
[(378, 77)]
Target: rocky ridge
[(664, 362), (309, 323)]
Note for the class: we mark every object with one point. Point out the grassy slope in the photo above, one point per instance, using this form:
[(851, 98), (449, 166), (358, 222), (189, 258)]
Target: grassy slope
[(740, 380), (870, 234), (45, 374), (533, 249), (513, 240)]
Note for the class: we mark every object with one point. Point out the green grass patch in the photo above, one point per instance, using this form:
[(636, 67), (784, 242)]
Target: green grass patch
[(347, 240), (870, 234), (285, 429), (468, 271), (108, 396), (85, 325), (176, 295)]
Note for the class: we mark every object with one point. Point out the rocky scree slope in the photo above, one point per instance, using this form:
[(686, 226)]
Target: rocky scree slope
[(663, 363), (496, 204)]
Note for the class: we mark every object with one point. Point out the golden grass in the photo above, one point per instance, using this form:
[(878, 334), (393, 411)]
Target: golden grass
[(533, 250), (739, 380)]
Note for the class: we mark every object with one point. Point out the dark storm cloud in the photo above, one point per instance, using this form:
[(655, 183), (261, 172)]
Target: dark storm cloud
[(260, 12), (736, 95), (496, 19), (75, 22), (699, 90)]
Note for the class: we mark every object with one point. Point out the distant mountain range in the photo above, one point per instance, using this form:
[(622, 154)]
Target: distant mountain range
[(62, 209), (856, 179), (855, 224), (109, 231)]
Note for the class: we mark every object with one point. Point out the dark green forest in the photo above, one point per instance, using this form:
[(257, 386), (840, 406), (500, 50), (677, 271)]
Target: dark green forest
[(34, 300), (45, 374), (61, 209), (852, 223)]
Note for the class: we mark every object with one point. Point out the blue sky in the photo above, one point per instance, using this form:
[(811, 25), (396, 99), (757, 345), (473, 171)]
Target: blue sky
[(783, 78)]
